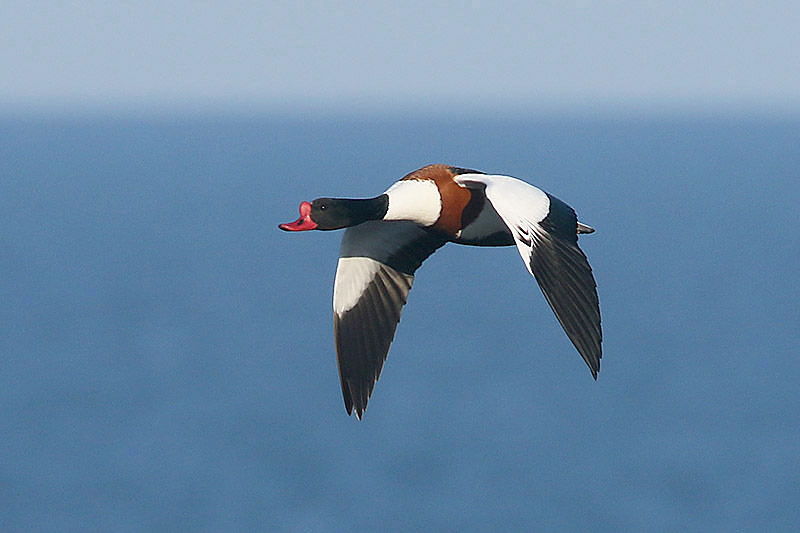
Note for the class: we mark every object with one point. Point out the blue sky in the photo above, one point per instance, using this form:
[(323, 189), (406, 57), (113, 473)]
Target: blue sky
[(287, 55)]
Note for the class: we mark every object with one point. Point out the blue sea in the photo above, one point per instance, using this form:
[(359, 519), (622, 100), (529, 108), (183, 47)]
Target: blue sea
[(167, 358)]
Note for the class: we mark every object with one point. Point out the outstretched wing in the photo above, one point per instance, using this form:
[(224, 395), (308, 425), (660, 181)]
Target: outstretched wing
[(546, 233), (375, 272)]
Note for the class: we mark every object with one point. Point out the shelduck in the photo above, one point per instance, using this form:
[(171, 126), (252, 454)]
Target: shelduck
[(389, 236)]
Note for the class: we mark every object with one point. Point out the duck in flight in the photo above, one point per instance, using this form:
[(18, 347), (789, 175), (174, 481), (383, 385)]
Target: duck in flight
[(388, 237)]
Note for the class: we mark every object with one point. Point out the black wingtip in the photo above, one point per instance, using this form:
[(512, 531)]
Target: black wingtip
[(351, 410), (359, 408), (349, 404)]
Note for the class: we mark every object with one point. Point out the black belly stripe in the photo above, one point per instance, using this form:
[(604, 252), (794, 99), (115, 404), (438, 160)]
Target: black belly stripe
[(473, 208)]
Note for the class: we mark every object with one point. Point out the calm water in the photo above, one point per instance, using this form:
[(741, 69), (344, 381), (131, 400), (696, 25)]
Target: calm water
[(167, 362)]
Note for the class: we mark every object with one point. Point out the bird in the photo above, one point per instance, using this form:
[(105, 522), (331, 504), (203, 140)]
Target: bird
[(387, 238)]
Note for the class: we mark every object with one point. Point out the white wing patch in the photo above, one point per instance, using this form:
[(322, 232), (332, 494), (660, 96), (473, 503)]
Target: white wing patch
[(365, 249), (521, 206), (353, 275)]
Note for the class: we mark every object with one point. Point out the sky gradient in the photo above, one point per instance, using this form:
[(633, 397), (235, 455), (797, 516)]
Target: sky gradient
[(282, 55)]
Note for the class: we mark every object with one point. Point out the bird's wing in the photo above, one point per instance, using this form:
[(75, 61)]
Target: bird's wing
[(546, 233), (375, 272)]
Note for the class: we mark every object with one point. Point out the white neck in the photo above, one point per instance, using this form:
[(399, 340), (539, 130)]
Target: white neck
[(415, 200)]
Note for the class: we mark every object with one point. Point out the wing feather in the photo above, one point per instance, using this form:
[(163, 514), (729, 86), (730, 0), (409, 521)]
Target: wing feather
[(546, 233), (375, 273)]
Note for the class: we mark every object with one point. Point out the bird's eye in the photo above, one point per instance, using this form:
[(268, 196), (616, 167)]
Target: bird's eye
[(323, 207)]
